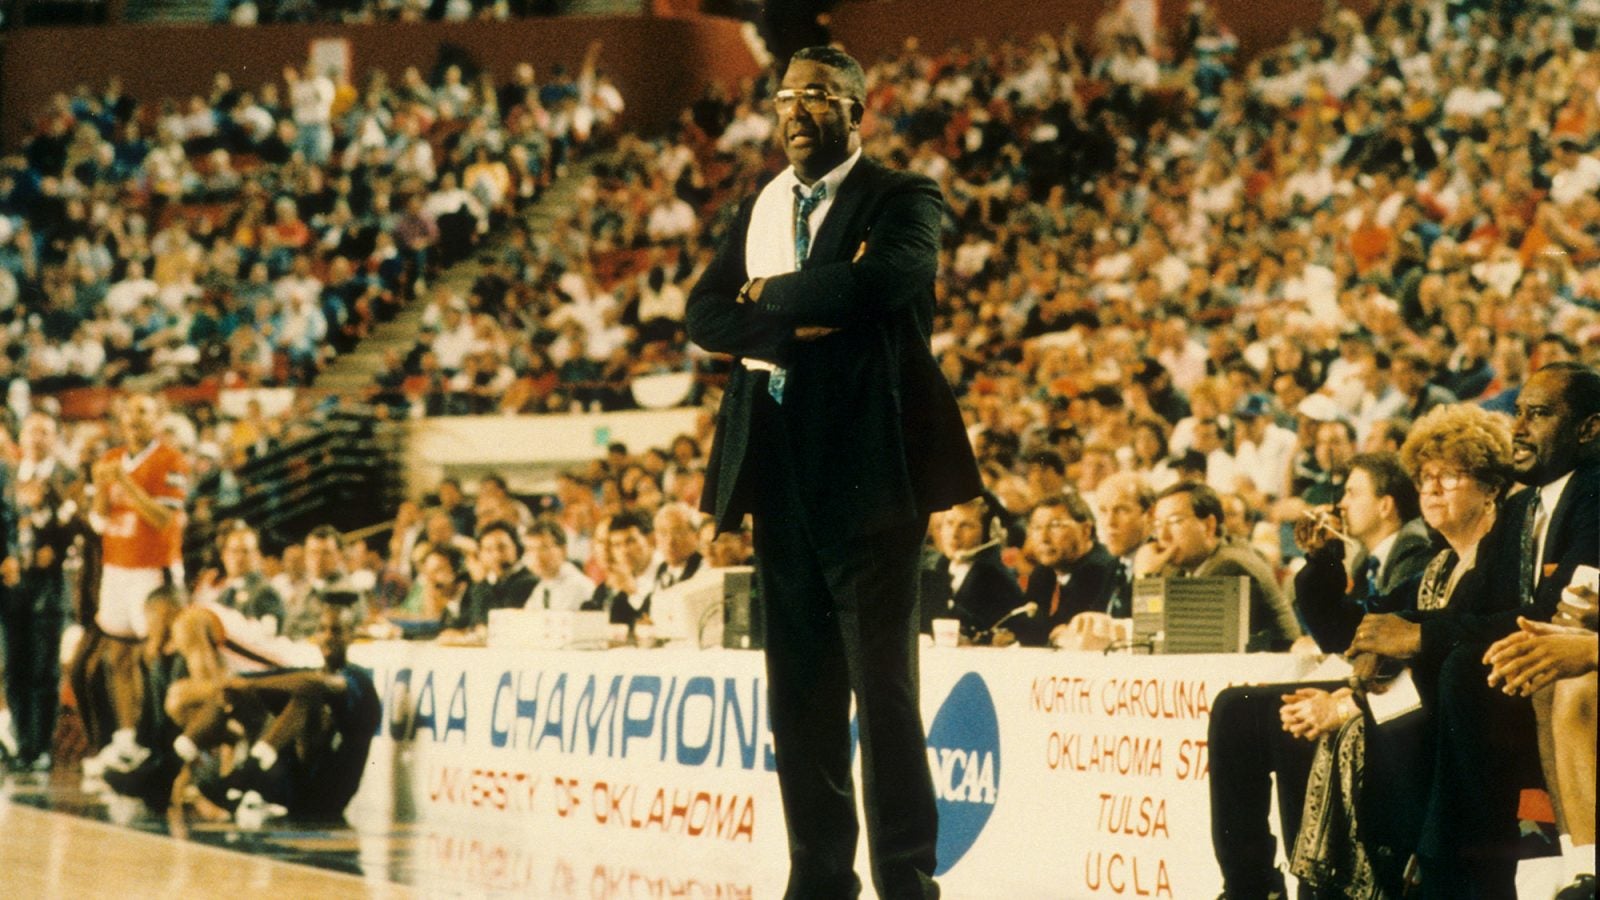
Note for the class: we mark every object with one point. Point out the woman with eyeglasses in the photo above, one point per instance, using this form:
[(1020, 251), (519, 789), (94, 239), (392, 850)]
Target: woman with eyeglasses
[(1368, 785)]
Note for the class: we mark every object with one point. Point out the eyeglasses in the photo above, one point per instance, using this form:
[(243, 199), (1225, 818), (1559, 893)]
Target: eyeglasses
[(1061, 523), (1175, 520), (1445, 481), (815, 100)]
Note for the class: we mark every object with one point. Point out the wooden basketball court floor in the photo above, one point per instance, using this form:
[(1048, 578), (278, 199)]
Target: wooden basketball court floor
[(56, 842)]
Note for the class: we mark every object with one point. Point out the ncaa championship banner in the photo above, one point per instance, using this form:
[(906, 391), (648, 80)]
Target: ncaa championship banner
[(649, 773)]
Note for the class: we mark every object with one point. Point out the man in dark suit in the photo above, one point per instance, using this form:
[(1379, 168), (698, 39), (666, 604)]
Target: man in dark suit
[(839, 435), (1486, 751), (242, 586), (677, 556), (625, 593), (1122, 505), (1074, 573), (1248, 743), (970, 582), (506, 582)]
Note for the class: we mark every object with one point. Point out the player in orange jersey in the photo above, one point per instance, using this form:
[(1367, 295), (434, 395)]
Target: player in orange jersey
[(139, 492)]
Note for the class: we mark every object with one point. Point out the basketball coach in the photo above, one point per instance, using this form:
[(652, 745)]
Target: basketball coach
[(839, 435)]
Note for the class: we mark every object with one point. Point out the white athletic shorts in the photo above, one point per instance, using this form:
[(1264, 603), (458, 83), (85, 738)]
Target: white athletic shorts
[(122, 596)]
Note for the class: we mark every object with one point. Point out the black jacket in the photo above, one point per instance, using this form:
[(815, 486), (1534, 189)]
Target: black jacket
[(1488, 613), (1331, 606), (987, 593), (1090, 588), (510, 592), (873, 428)]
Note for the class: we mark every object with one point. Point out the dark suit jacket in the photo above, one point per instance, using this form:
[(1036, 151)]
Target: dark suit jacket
[(510, 592), (1331, 613), (690, 567), (1090, 588), (626, 609), (987, 593), (875, 435), (1488, 613)]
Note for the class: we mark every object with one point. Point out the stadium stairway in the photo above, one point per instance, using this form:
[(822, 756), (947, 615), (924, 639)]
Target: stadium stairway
[(355, 372), (603, 8), (169, 12)]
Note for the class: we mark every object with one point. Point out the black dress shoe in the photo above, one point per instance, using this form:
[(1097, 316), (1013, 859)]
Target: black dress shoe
[(1581, 888)]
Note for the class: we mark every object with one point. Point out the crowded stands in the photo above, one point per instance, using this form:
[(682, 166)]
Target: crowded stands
[(1192, 305)]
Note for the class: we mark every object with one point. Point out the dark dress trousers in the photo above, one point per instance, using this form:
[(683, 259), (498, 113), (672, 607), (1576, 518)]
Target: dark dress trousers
[(840, 479)]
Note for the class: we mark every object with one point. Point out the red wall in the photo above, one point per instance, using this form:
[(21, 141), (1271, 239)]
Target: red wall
[(660, 64), (872, 27)]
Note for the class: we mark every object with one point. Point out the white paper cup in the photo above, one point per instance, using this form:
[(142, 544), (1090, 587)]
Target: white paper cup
[(946, 632)]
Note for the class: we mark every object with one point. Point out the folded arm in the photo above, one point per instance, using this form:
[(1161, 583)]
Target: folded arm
[(892, 270)]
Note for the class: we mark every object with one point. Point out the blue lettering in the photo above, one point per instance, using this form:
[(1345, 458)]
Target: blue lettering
[(585, 714), (425, 709), (640, 726), (528, 705), (456, 718), (695, 754), (555, 709), (672, 689), (769, 759), (499, 737), (401, 725), (730, 705)]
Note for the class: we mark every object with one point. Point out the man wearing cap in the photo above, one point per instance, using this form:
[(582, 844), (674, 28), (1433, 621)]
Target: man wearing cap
[(1264, 450), (1411, 374), (1576, 174)]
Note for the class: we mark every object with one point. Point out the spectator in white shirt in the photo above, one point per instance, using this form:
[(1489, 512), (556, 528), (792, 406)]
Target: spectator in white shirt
[(311, 104), (1264, 450), (670, 219), (562, 585), (455, 338), (1576, 174), (125, 296), (749, 126)]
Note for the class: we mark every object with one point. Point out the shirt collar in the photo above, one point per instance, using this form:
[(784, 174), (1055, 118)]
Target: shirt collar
[(833, 179), (1381, 551), (1550, 494)]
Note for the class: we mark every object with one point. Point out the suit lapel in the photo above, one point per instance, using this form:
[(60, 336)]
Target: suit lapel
[(1580, 492), (828, 245), (1581, 483)]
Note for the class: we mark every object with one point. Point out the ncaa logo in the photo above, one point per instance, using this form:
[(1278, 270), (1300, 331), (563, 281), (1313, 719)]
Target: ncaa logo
[(964, 756)]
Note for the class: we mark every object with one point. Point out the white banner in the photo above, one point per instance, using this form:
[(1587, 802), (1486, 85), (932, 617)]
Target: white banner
[(649, 773)]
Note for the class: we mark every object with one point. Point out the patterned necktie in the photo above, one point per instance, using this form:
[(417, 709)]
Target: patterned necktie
[(804, 205), (1530, 534), (1369, 576), (1120, 606)]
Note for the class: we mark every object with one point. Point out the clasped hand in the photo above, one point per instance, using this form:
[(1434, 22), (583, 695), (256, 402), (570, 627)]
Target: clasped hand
[(751, 293), (1310, 713), (1538, 654)]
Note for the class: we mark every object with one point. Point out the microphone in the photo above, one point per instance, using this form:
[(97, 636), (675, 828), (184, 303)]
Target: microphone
[(1027, 609), (972, 552)]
